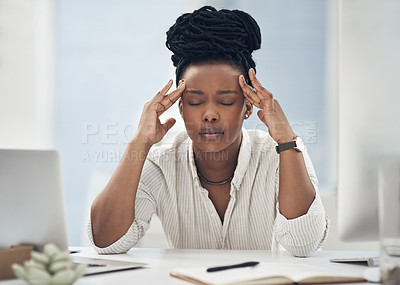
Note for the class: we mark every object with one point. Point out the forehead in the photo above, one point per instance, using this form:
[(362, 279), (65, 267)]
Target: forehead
[(211, 72)]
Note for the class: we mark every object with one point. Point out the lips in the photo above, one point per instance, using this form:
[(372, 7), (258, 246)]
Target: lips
[(211, 134), (210, 131)]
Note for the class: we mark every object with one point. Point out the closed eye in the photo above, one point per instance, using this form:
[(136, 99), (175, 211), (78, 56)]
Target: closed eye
[(194, 104), (226, 104)]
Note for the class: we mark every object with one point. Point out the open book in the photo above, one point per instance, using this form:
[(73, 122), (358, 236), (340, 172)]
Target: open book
[(268, 273)]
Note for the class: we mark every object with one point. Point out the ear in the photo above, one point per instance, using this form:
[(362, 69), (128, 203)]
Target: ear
[(180, 106), (249, 109)]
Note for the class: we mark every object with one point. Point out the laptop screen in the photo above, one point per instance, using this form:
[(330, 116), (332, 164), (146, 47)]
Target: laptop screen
[(31, 199)]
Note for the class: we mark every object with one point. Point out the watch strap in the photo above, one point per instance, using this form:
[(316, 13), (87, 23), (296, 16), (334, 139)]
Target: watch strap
[(285, 146)]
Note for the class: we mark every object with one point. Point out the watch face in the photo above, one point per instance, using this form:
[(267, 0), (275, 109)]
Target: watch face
[(299, 144)]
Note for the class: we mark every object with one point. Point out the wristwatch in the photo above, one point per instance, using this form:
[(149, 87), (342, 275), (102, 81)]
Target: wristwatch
[(297, 143)]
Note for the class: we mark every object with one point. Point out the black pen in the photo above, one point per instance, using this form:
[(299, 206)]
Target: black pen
[(246, 264)]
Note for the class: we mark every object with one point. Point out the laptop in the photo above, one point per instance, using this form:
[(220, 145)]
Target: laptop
[(32, 205)]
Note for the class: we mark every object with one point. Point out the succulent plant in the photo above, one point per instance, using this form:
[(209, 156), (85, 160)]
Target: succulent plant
[(51, 267)]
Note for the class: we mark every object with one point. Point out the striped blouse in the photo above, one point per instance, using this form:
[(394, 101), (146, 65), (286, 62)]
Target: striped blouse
[(170, 188)]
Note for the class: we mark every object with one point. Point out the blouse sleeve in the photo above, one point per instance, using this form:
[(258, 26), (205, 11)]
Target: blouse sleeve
[(145, 207), (305, 234)]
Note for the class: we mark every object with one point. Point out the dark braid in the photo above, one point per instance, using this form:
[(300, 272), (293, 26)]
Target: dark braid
[(208, 35)]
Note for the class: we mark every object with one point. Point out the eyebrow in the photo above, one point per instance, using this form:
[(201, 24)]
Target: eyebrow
[(219, 92)]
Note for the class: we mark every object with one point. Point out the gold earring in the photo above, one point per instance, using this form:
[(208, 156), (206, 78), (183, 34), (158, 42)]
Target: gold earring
[(246, 115)]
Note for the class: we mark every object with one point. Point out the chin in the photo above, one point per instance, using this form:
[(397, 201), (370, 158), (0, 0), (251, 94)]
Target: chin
[(212, 144), (212, 147)]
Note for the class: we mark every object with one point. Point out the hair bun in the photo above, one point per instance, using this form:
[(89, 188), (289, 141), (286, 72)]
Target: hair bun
[(207, 33)]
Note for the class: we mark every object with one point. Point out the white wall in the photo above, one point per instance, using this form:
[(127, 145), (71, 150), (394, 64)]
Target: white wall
[(334, 242), (369, 104), (26, 68)]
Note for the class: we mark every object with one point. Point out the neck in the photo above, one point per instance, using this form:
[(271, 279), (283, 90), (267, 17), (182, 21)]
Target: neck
[(217, 166)]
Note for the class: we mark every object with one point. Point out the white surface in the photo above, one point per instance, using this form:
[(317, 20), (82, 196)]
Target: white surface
[(26, 73), (389, 201), (162, 261), (369, 101), (333, 241), (372, 274)]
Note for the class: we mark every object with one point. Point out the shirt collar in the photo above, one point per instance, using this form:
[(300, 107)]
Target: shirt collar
[(242, 164), (243, 159), (192, 164)]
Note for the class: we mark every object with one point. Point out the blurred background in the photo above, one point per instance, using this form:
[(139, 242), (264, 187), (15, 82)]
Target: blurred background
[(74, 76)]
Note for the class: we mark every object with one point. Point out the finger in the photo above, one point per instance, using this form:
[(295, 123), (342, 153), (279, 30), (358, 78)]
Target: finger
[(169, 99), (247, 91), (253, 101), (160, 94), (168, 124), (261, 115), (258, 86), (242, 82), (264, 96), (259, 94)]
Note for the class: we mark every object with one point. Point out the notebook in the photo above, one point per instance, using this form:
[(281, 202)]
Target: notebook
[(268, 273), (32, 205)]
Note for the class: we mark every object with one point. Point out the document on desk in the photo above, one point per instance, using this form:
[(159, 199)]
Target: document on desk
[(268, 273), (98, 265)]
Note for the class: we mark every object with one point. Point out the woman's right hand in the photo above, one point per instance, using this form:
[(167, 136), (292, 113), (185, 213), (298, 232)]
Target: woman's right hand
[(150, 129)]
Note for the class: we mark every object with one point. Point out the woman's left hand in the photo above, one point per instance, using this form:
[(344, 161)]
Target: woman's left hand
[(271, 113)]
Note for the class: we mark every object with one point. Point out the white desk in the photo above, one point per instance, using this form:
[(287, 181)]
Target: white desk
[(161, 261)]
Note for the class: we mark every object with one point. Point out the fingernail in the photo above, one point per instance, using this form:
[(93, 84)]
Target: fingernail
[(182, 83), (244, 80), (253, 71)]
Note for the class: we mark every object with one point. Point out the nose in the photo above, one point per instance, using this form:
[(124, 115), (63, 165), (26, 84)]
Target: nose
[(210, 116)]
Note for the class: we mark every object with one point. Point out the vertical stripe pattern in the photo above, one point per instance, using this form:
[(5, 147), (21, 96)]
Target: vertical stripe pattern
[(170, 188)]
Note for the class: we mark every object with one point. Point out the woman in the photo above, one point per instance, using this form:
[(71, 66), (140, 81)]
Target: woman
[(217, 185)]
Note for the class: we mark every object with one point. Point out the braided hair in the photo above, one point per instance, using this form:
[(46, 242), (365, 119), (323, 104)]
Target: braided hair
[(211, 36)]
